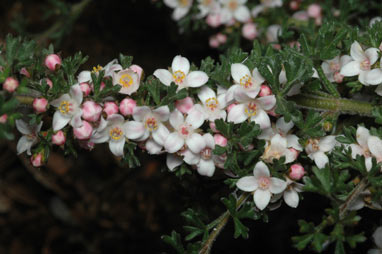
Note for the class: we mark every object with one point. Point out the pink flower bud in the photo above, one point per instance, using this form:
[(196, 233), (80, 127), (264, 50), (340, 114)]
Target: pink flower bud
[(137, 69), (338, 77), (249, 31), (213, 20), (213, 127), (58, 138), (83, 132), (220, 140), (296, 172), (10, 84), (213, 42), (37, 160), (52, 62), (184, 105), (85, 88), (25, 72), (127, 106), (222, 38), (314, 10), (265, 91), (47, 81), (110, 108), (91, 111), (3, 118), (294, 5), (229, 107), (40, 105)]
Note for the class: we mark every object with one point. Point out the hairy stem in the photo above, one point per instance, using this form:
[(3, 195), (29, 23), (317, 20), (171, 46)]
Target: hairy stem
[(361, 186), (221, 222), (327, 84), (340, 105)]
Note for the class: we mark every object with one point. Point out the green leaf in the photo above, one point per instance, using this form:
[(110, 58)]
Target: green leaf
[(301, 242), (225, 128), (355, 239), (175, 241), (240, 229), (318, 241), (323, 175), (125, 60), (377, 113)]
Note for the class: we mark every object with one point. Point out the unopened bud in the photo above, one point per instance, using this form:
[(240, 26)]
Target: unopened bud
[(52, 62), (10, 84), (58, 138), (40, 105), (296, 172)]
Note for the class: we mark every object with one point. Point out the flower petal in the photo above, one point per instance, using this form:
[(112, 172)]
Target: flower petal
[(379, 90), (291, 198), (327, 143), (209, 140), (160, 134), (247, 183), (179, 13), (140, 112), (262, 119), (206, 167), (23, 127), (134, 129), (164, 76), (195, 116), (377, 236), (153, 147), (173, 161), (375, 146), (237, 114), (190, 158), (59, 121), (277, 185), (372, 54), (173, 142), (351, 69), (76, 93), (261, 198), (117, 147), (320, 159), (362, 135), (195, 143), (84, 76), (267, 102), (261, 170), (24, 144), (176, 119), (242, 14), (357, 52), (374, 77), (196, 79), (162, 113), (283, 127), (180, 64), (238, 71), (205, 93), (292, 141), (76, 121)]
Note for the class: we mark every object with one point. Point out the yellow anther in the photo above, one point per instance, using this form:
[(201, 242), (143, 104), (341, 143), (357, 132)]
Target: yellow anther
[(250, 110), (97, 68), (212, 103), (116, 133), (151, 124), (178, 77), (126, 80), (246, 81), (65, 107)]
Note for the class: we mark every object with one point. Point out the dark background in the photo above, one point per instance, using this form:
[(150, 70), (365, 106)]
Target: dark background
[(93, 204)]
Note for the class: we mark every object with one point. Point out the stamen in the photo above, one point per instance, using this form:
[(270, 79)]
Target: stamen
[(212, 103), (250, 110), (178, 77), (246, 81), (126, 80), (65, 107), (97, 68), (116, 133), (151, 124)]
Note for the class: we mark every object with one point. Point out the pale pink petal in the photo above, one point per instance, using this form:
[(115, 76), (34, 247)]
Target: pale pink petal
[(254, 91), (267, 102), (351, 69), (139, 113), (160, 134), (230, 95), (180, 64), (375, 146), (117, 147), (284, 127), (195, 143), (145, 135), (164, 76), (362, 77), (153, 147), (372, 54), (357, 52), (368, 163), (327, 143), (261, 170), (279, 143), (374, 77), (134, 129), (258, 78), (242, 14), (261, 198), (345, 59), (262, 119), (99, 137), (195, 116), (206, 167), (76, 93), (24, 144), (173, 161), (196, 79), (205, 93), (115, 119), (356, 150), (190, 158), (292, 141), (162, 113), (184, 105), (290, 155), (241, 95), (23, 127), (56, 103), (326, 67), (238, 71), (277, 185), (362, 135), (247, 183), (179, 13), (76, 121), (209, 140), (59, 121), (176, 119), (320, 159), (237, 114), (84, 76), (173, 142), (291, 198), (266, 134)]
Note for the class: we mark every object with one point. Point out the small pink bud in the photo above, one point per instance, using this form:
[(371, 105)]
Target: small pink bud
[(249, 31), (213, 127), (294, 5), (229, 107), (213, 42), (47, 81), (338, 77), (91, 111), (110, 108), (220, 140), (222, 38), (58, 138), (296, 172), (36, 160), (83, 132), (265, 91), (184, 105), (137, 69), (40, 105), (25, 72), (213, 20), (127, 105), (52, 62), (3, 118), (10, 84), (85, 88), (314, 10)]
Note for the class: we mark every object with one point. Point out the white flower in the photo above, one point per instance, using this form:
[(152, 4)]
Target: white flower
[(185, 131), (262, 185), (180, 74), (213, 106), (110, 68), (206, 7), (377, 236), (68, 109), (333, 66), (245, 82), (316, 149), (253, 109), (265, 4), (290, 194), (114, 131), (273, 33), (374, 77), (234, 9), (129, 79), (181, 7), (277, 147), (149, 123), (362, 61), (362, 148), (29, 138)]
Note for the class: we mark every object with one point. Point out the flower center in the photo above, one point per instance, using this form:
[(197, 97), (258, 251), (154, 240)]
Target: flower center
[(184, 3), (250, 110), (65, 107), (334, 66), (116, 133), (206, 153), (232, 5), (151, 124), (365, 65), (246, 81), (97, 68), (338, 77), (312, 145), (185, 131), (264, 183), (207, 2), (212, 103), (179, 76), (126, 80)]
